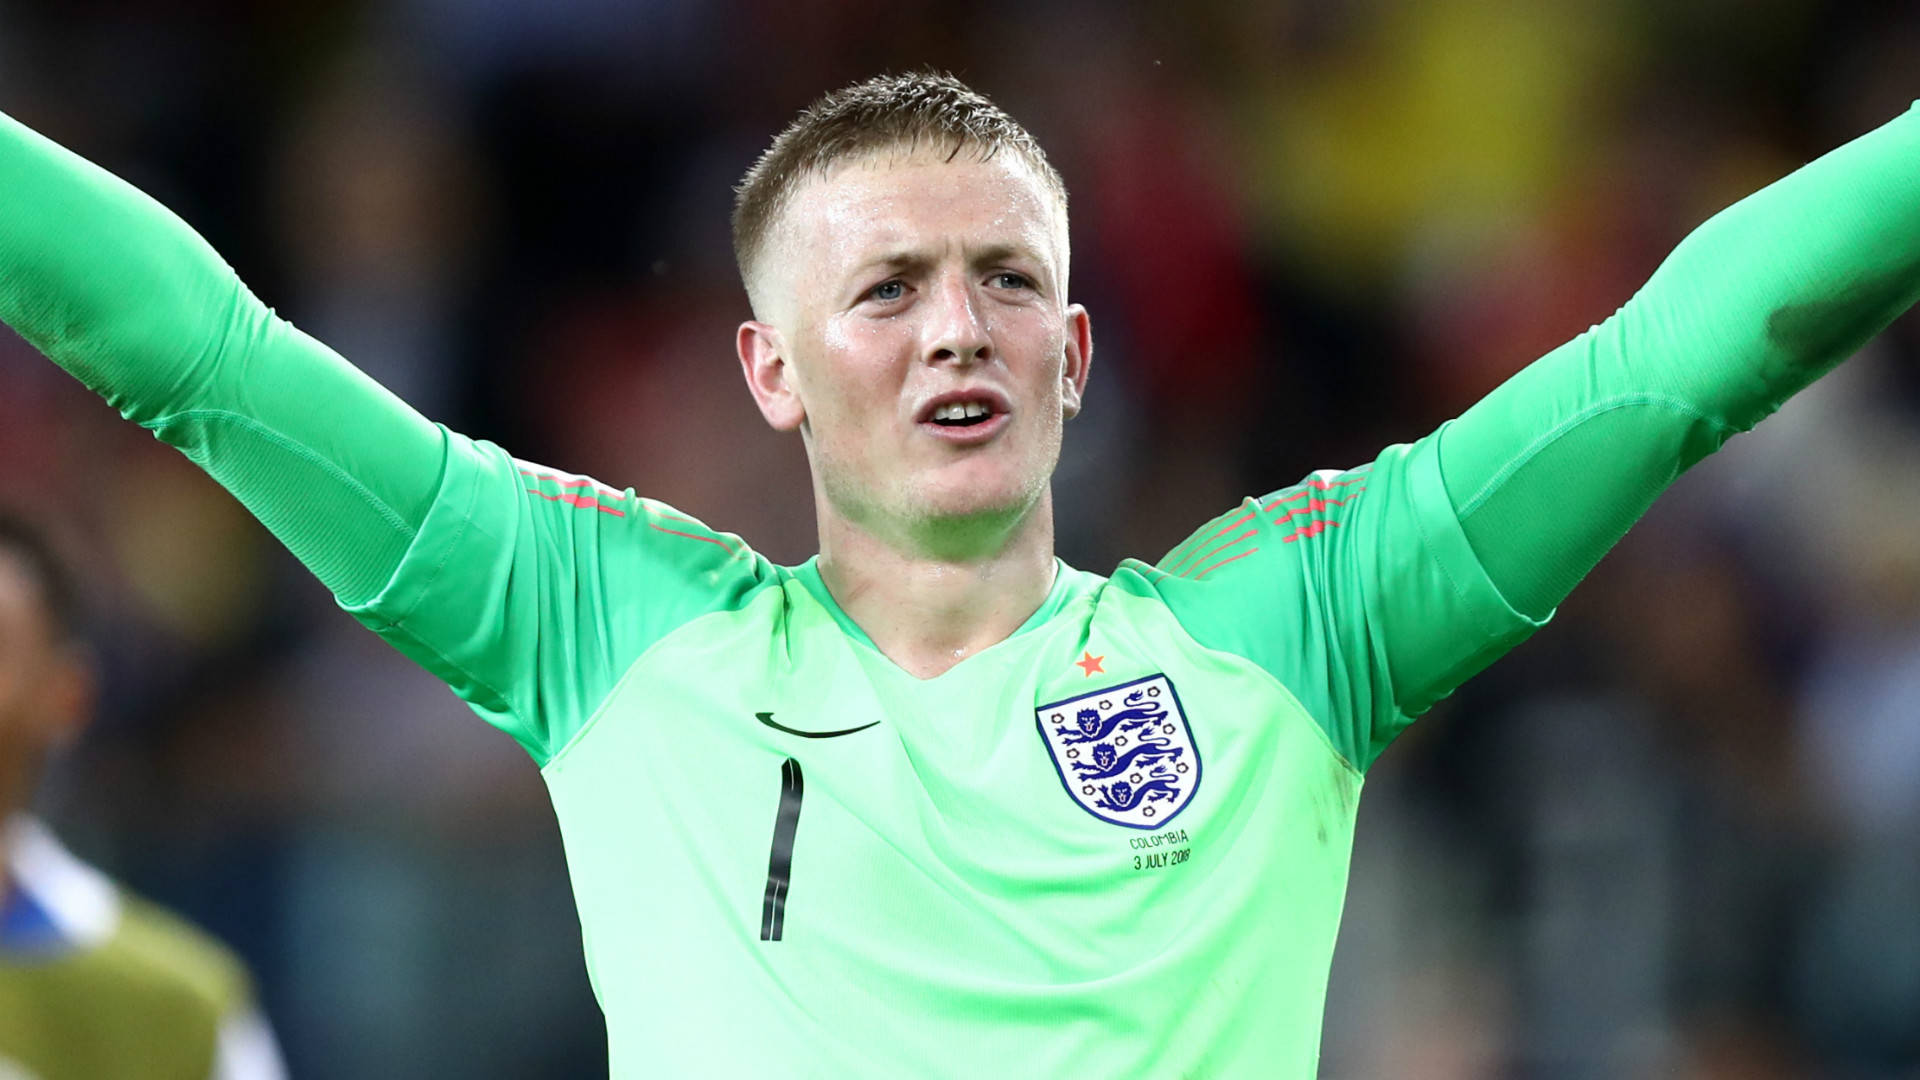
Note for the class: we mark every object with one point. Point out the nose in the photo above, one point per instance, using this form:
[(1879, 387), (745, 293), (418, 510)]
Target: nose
[(957, 333)]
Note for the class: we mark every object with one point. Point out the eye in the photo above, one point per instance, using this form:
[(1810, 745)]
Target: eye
[(888, 291), (1008, 279)]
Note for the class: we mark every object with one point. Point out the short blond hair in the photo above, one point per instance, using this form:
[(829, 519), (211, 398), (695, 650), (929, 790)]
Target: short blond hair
[(923, 108)]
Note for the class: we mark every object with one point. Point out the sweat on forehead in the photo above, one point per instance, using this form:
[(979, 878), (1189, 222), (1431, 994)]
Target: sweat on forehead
[(913, 208)]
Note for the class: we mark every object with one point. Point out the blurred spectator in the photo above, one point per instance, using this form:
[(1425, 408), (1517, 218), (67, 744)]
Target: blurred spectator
[(95, 983)]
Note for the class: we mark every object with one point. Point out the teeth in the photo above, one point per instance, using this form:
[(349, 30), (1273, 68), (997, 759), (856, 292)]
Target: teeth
[(961, 411)]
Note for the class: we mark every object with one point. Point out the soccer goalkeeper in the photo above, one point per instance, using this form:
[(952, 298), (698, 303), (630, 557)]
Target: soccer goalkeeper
[(934, 803)]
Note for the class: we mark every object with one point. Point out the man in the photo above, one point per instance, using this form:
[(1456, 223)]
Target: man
[(934, 803), (95, 984)]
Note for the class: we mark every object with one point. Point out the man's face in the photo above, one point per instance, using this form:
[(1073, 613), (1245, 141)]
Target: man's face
[(44, 686), (920, 339)]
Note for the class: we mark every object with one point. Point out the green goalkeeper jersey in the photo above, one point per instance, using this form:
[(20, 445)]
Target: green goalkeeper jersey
[(1114, 844)]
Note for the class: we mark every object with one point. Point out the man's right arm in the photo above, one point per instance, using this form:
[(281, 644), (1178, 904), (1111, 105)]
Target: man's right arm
[(526, 591), (133, 303)]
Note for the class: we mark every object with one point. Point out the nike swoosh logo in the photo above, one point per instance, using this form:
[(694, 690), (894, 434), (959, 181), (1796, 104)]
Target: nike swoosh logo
[(767, 719)]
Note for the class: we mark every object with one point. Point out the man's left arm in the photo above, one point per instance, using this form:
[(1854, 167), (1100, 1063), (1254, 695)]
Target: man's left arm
[(1371, 594), (1550, 470)]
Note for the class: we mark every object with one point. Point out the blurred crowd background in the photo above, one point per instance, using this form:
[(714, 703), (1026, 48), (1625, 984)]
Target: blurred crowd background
[(1677, 834)]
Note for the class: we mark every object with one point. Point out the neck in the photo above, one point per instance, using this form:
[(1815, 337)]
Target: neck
[(927, 612)]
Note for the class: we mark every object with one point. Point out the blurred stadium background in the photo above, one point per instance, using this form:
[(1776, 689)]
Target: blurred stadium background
[(1678, 834)]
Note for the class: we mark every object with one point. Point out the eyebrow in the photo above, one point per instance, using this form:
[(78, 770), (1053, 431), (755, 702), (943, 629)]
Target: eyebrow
[(918, 260)]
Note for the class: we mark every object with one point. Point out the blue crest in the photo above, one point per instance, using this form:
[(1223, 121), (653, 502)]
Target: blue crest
[(1124, 753)]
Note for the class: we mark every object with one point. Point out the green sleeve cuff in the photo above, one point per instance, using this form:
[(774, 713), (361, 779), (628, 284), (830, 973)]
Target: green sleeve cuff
[(1493, 617)]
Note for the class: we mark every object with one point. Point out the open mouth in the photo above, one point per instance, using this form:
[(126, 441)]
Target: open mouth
[(966, 416), (962, 414)]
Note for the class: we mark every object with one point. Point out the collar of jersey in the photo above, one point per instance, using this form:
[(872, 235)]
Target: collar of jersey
[(1066, 585), (50, 902)]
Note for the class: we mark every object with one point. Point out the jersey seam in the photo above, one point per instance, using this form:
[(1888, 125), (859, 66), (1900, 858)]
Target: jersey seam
[(1387, 669), (387, 513), (1433, 555), (1313, 722), (399, 620), (1552, 435), (237, 297), (593, 719), (1460, 593), (399, 623), (505, 699)]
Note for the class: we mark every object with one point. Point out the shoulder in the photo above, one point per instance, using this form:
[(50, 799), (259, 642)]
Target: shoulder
[(1276, 542), (141, 950), (623, 521), (178, 965)]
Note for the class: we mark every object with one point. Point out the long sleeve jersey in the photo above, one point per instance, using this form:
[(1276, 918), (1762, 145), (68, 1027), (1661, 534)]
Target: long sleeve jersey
[(1115, 843)]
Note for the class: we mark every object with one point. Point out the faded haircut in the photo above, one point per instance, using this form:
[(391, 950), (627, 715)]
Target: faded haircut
[(922, 108)]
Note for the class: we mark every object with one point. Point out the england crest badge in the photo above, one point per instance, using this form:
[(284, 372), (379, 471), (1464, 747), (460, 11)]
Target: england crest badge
[(1124, 753)]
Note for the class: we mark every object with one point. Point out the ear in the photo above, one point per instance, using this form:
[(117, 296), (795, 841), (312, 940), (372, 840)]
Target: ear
[(763, 359), (1079, 356)]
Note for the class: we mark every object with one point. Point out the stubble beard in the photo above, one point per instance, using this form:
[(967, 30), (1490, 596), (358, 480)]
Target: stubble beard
[(928, 519)]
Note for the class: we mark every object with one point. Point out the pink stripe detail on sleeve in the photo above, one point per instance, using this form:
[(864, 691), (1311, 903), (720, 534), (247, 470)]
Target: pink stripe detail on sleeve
[(721, 544), (1312, 506), (1202, 543), (578, 500), (1311, 530), (1236, 540), (1222, 563), (580, 482)]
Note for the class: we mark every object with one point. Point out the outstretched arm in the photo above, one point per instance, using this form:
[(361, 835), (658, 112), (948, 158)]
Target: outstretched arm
[(514, 584), (1373, 593), (127, 298), (1549, 471)]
